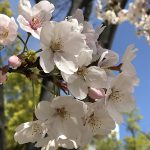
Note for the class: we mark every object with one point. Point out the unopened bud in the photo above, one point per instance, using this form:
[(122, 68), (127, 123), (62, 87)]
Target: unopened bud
[(14, 61), (96, 93)]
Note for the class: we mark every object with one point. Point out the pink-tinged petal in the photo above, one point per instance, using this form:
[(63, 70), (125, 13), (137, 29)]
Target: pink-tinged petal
[(24, 24), (78, 88), (46, 61), (96, 93), (65, 62)]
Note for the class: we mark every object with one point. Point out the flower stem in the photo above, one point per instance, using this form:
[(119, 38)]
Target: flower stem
[(19, 37), (25, 45)]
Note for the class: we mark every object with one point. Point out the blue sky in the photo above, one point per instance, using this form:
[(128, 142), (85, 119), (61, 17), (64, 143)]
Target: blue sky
[(125, 35)]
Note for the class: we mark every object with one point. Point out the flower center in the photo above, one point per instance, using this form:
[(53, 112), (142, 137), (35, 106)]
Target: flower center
[(116, 96), (35, 23), (3, 33), (56, 45), (36, 129), (81, 71), (61, 112), (93, 122)]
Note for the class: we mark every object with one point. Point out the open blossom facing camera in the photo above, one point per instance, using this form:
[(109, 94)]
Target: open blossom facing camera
[(119, 97), (8, 30), (31, 19), (85, 77), (61, 45)]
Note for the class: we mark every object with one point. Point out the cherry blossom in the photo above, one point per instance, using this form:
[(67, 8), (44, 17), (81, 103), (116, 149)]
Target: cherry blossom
[(61, 45), (119, 97), (97, 120), (30, 132), (8, 30), (31, 19)]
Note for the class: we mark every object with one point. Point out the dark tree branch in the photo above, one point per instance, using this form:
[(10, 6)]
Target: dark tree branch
[(106, 38), (87, 5)]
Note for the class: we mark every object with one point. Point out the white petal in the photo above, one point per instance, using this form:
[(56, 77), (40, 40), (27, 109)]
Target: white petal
[(43, 110), (4, 20), (117, 116), (43, 6), (69, 77), (79, 15), (73, 106), (78, 88), (108, 59), (24, 9), (46, 61), (96, 77), (84, 58), (129, 54), (65, 62), (47, 33)]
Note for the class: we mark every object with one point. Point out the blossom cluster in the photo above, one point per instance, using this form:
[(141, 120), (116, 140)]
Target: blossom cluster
[(137, 14), (71, 55)]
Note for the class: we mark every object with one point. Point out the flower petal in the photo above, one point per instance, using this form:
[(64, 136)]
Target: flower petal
[(46, 61), (65, 62), (78, 88), (96, 77)]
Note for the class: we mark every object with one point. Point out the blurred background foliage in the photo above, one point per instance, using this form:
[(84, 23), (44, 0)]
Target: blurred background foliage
[(20, 102)]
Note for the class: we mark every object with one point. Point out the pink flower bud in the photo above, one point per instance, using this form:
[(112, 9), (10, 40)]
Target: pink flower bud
[(14, 61), (3, 77), (96, 93)]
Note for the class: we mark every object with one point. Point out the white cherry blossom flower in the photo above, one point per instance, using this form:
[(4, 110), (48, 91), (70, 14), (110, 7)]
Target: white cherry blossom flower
[(31, 19), (8, 30), (61, 45), (62, 116), (85, 77), (30, 132), (119, 97), (97, 119)]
